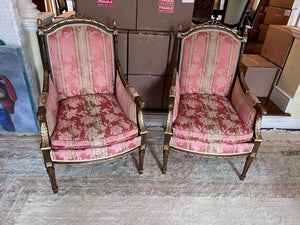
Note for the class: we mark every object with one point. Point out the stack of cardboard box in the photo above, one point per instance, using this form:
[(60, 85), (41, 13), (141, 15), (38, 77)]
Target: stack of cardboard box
[(275, 12), (278, 12), (262, 71), (146, 40)]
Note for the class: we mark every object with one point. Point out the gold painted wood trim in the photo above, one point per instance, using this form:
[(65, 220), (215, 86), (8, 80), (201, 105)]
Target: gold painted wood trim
[(206, 155), (212, 24)]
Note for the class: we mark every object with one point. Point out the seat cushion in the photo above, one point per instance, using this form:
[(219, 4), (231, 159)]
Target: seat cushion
[(212, 148), (90, 154), (91, 121), (210, 119)]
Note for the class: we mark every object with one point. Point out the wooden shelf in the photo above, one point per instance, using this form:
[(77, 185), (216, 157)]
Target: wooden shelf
[(272, 108)]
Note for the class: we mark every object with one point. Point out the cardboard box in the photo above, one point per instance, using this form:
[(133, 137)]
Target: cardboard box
[(254, 47), (261, 14), (150, 15), (124, 12), (148, 52), (168, 81), (255, 31), (277, 44), (122, 48), (288, 4), (263, 32), (171, 56), (150, 88), (260, 74), (277, 15)]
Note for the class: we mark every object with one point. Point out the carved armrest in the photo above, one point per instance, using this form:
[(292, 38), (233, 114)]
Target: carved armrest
[(248, 105), (174, 98), (48, 107)]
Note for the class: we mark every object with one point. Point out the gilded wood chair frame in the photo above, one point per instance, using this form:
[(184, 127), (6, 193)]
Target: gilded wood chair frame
[(260, 110), (46, 145)]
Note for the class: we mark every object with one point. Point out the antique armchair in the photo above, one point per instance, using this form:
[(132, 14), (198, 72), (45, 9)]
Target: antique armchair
[(87, 110), (212, 112)]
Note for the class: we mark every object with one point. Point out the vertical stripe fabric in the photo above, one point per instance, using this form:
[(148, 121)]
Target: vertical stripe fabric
[(208, 62), (81, 59), (242, 105), (126, 102)]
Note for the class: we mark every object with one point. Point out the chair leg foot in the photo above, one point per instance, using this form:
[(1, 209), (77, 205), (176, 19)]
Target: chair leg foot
[(248, 162), (51, 174), (141, 160), (165, 161)]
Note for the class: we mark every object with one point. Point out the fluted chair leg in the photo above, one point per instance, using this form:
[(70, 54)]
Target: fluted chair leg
[(141, 160), (51, 174), (250, 159), (166, 153), (165, 161), (247, 165)]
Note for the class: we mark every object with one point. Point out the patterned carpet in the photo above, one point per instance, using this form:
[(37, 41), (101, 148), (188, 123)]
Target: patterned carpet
[(275, 174)]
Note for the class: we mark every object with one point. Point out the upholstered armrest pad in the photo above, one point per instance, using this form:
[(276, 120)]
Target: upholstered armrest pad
[(125, 97), (242, 105), (50, 102), (175, 92)]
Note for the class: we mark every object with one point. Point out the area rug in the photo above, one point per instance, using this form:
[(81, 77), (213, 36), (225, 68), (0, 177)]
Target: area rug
[(194, 191)]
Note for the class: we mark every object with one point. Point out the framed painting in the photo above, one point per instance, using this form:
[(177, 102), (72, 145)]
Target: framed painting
[(17, 113)]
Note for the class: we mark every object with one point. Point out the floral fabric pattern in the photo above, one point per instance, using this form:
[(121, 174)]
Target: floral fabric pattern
[(81, 60), (213, 148), (91, 121), (208, 63), (210, 119), (90, 154), (242, 105)]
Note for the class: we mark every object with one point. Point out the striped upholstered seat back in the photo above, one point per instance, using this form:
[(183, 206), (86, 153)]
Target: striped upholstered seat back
[(208, 62), (81, 60)]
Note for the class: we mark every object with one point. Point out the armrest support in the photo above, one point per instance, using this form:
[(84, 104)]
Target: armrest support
[(174, 98), (48, 107), (248, 106), (129, 99)]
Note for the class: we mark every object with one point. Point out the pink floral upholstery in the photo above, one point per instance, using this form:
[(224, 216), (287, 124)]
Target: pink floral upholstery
[(213, 148), (242, 104), (81, 59), (208, 62), (91, 121), (90, 154), (50, 102), (209, 119), (126, 99)]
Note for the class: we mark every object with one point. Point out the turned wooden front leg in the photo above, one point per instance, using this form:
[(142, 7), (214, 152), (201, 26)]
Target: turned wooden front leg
[(250, 159), (141, 159), (50, 169), (166, 150), (51, 174), (142, 153)]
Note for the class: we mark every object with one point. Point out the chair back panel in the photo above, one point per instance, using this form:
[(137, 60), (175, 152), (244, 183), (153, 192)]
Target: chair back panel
[(208, 62), (81, 60)]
